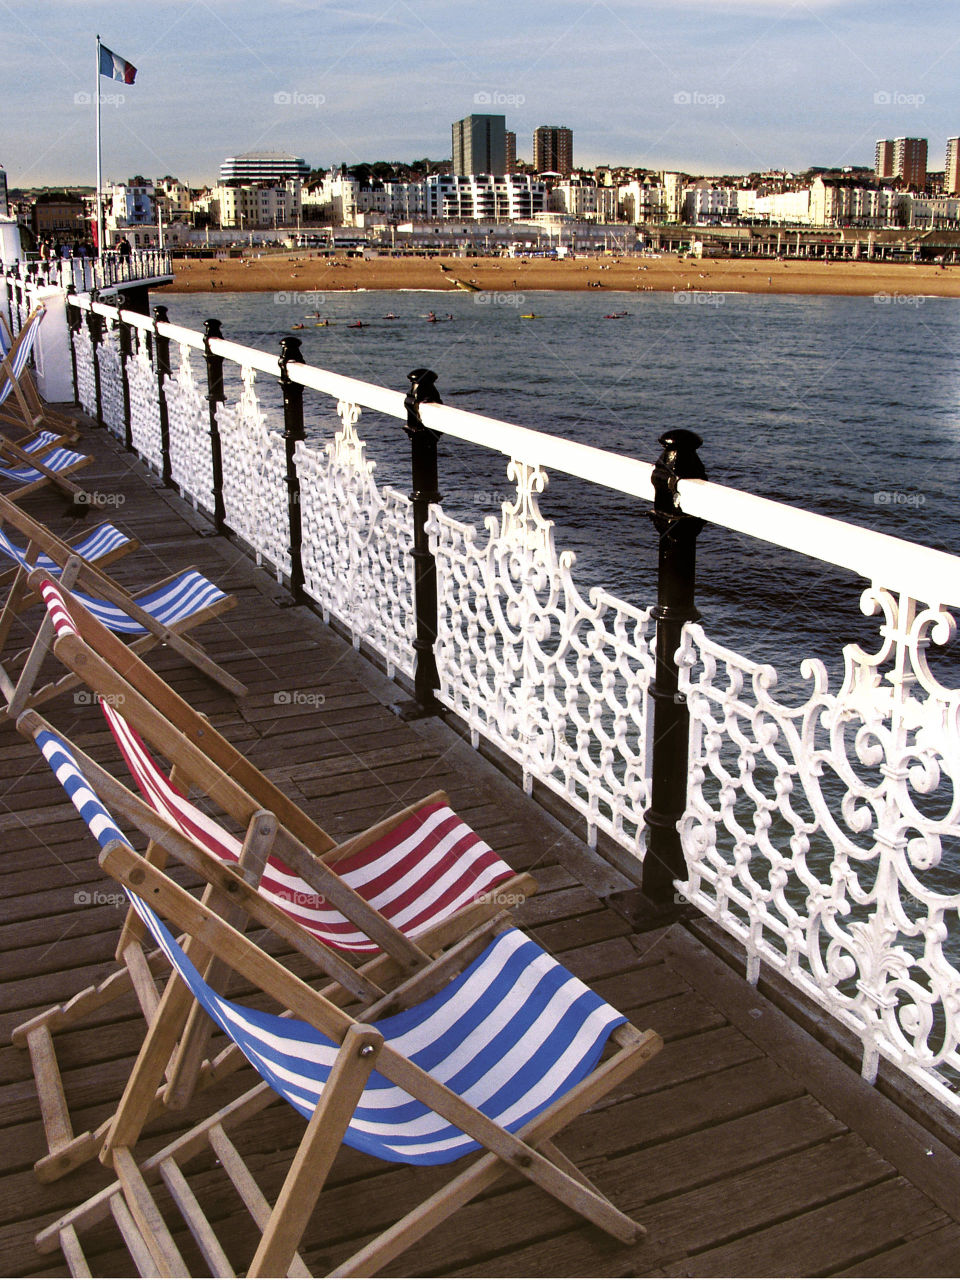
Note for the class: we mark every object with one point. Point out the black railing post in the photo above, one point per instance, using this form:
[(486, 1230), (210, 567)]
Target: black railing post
[(423, 451), (162, 367), (215, 396), (95, 324), (676, 584), (126, 350), (290, 353), (74, 320)]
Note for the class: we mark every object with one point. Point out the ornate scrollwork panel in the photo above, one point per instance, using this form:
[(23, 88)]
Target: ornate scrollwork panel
[(188, 415), (111, 383), (144, 407), (826, 836), (255, 478), (558, 683), (86, 385), (357, 543)]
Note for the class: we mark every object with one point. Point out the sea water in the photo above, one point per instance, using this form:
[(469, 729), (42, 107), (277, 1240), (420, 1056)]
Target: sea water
[(845, 406)]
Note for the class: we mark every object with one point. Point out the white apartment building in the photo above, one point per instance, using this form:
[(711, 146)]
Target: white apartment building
[(128, 205), (705, 203), (584, 200), (836, 204), (784, 206), (640, 202), (253, 206), (484, 197)]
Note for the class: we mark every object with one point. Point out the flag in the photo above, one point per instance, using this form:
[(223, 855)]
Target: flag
[(115, 67)]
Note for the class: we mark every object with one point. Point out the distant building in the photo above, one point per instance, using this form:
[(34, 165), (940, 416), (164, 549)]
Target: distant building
[(58, 215), (479, 145), (640, 201), (129, 204), (903, 158), (883, 166), (510, 165), (584, 200), (263, 166), (483, 197), (553, 149), (4, 210), (951, 175), (255, 205)]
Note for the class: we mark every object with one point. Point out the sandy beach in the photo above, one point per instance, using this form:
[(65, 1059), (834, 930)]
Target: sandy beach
[(306, 271)]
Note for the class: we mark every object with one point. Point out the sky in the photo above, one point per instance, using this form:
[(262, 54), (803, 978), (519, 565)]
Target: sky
[(704, 86)]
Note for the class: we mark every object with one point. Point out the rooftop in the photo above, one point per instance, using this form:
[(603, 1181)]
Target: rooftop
[(748, 1147)]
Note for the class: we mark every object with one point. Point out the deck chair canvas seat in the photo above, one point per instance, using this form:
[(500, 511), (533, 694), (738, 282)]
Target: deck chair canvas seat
[(44, 550), (161, 614), (497, 1060), (40, 462), (423, 876), (20, 403)]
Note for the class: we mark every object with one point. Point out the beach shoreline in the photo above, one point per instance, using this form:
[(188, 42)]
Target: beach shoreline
[(306, 272)]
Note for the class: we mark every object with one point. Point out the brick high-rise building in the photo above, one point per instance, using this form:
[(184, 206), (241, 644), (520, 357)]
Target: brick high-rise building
[(479, 145), (903, 158), (951, 168), (884, 161), (511, 161), (553, 149)]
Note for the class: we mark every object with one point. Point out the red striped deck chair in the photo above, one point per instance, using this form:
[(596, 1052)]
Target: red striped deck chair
[(162, 614), (412, 887), (486, 1069)]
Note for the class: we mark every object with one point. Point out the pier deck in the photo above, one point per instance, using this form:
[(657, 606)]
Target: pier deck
[(746, 1147)]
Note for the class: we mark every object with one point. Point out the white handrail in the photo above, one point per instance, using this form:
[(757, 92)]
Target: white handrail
[(924, 573)]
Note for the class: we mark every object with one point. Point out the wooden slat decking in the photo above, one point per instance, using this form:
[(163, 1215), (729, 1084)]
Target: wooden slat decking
[(745, 1147)]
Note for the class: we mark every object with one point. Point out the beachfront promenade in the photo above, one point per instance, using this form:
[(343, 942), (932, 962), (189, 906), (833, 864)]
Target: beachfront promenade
[(747, 1147)]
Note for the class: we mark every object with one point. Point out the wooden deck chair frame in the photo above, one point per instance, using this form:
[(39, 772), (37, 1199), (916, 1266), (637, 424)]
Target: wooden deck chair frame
[(19, 684), (14, 455), (203, 758), (531, 1152), (41, 540), (33, 414)]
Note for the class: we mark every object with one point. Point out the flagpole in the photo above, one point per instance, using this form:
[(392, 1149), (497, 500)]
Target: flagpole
[(99, 165)]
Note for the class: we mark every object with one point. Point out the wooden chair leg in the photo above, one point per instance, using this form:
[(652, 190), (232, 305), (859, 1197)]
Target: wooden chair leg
[(316, 1153), (260, 835), (41, 646)]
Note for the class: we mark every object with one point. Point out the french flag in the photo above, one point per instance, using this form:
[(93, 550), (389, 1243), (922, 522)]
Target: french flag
[(115, 67)]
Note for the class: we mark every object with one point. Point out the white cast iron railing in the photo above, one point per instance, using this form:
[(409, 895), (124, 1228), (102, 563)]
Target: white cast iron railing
[(825, 835)]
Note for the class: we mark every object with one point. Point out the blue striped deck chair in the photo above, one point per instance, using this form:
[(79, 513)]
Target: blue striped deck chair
[(42, 461), (160, 615), (491, 1066), (20, 403), (45, 550), (416, 888)]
